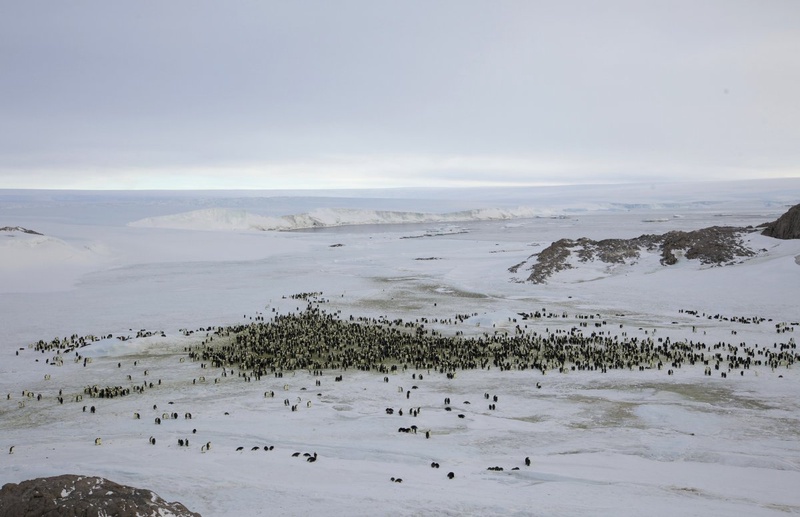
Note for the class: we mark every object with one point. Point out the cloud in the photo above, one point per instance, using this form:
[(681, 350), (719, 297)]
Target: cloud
[(385, 94)]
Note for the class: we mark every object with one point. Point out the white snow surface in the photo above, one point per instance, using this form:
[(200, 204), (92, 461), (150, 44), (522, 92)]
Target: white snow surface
[(619, 443)]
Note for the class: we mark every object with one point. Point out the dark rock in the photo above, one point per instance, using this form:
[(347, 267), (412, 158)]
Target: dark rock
[(713, 245), (551, 260), (786, 226), (18, 229), (86, 496)]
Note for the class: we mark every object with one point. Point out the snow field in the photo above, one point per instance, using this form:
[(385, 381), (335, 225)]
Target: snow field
[(620, 443)]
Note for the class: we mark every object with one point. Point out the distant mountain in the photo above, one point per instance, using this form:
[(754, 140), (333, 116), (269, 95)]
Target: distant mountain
[(786, 226)]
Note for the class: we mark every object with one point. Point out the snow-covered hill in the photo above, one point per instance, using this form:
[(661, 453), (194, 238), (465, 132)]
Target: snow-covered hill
[(25, 248), (51, 260)]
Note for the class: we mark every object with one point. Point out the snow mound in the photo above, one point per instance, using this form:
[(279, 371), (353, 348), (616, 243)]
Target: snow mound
[(229, 219), (208, 219), (492, 319), (22, 248), (31, 261)]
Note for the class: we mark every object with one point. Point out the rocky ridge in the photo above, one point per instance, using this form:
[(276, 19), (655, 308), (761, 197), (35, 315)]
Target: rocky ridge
[(18, 229), (716, 245)]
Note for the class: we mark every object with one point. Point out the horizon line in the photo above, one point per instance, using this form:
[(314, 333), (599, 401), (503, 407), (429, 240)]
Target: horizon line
[(659, 181)]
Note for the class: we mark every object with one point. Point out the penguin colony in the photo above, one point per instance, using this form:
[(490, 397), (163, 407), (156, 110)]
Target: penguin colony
[(320, 341), (315, 340)]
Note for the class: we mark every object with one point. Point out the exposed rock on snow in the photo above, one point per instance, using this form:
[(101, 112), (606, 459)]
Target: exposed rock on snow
[(786, 226), (18, 229), (70, 495), (714, 245)]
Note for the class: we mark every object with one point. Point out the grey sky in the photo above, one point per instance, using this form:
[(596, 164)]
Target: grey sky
[(257, 94)]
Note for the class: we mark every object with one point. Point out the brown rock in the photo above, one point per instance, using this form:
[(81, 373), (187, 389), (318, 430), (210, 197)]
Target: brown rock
[(86, 496), (786, 226), (716, 245)]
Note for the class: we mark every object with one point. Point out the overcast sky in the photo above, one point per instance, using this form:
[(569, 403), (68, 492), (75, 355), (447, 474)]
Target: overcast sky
[(330, 94)]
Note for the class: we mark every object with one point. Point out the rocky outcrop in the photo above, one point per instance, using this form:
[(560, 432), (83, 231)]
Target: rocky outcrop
[(786, 226), (715, 245), (18, 229), (86, 496)]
